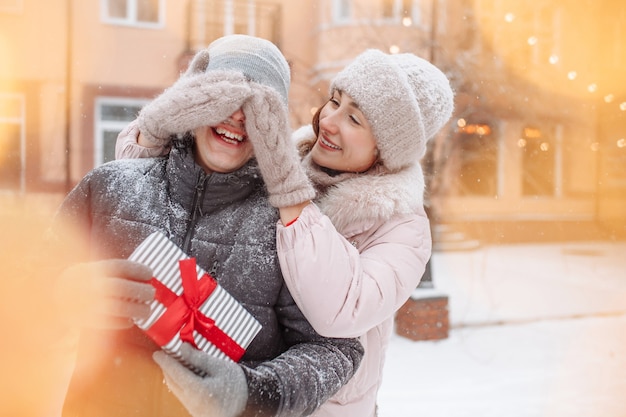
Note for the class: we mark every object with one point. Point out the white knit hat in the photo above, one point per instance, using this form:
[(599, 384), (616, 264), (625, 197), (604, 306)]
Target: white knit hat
[(405, 98), (258, 59)]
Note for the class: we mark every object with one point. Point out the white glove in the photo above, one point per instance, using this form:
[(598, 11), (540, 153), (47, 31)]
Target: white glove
[(222, 391)]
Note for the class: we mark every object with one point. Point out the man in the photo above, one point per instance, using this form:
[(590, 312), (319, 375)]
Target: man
[(209, 198)]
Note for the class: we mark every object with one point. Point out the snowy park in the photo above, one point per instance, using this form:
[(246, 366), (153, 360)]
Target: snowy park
[(535, 330)]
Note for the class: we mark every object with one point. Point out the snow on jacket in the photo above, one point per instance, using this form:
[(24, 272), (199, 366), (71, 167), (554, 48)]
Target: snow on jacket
[(352, 260), (225, 221)]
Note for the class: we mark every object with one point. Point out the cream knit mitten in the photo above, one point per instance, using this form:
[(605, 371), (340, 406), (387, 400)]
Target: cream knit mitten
[(267, 126), (196, 100)]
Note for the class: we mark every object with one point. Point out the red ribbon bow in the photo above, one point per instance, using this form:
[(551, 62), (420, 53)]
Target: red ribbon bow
[(183, 312)]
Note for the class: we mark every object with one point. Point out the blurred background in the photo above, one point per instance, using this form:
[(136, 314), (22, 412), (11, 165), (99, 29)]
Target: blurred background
[(536, 149), (535, 152)]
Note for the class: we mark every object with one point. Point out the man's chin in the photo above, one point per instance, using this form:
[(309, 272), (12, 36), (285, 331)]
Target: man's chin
[(223, 162)]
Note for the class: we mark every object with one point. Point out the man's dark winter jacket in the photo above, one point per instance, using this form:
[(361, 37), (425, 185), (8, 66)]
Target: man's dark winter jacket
[(225, 221)]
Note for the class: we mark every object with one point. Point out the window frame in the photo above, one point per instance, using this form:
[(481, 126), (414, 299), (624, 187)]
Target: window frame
[(131, 15), (397, 12), (21, 122), (552, 136), (341, 11), (100, 126), (487, 155)]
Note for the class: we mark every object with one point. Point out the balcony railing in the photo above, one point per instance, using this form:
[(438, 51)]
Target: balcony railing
[(211, 19)]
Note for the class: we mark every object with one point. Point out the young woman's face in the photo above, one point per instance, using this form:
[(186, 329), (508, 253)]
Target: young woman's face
[(345, 141)]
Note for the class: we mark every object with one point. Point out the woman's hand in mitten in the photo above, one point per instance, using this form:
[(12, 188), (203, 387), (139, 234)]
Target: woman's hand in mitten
[(195, 100), (129, 144), (104, 294), (221, 391), (267, 126)]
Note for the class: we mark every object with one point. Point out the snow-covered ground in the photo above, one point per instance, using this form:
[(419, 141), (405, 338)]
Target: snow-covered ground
[(536, 330)]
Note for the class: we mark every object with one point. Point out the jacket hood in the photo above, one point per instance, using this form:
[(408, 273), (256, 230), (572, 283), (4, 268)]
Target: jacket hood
[(354, 202)]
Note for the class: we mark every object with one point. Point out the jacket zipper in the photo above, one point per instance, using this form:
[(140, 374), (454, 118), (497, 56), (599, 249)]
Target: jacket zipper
[(196, 208)]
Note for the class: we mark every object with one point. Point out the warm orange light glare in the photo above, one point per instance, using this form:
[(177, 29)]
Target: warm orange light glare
[(475, 129), (562, 47), (532, 133), (38, 349)]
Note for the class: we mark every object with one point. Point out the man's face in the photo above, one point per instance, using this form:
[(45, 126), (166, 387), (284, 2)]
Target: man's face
[(225, 147)]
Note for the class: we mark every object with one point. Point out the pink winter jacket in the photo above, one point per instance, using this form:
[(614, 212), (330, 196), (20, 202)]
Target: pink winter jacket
[(351, 261)]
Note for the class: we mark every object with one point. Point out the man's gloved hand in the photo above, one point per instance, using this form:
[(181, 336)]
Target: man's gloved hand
[(222, 391), (197, 99), (104, 294), (267, 126), (127, 145)]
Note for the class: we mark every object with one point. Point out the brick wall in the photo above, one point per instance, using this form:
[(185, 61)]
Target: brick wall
[(423, 318)]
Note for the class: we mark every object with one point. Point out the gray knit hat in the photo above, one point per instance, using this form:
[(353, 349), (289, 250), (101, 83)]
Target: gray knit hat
[(216, 84), (405, 98), (258, 59)]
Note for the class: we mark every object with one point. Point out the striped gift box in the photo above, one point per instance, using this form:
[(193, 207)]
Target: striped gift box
[(190, 306)]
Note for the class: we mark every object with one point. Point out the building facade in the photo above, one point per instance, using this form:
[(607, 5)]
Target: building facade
[(536, 148)]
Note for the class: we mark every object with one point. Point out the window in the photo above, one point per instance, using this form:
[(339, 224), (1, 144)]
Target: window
[(401, 10), (388, 9), (410, 11), (538, 162), (12, 142), (341, 10), (11, 6), (147, 13), (112, 115), (216, 18), (476, 160)]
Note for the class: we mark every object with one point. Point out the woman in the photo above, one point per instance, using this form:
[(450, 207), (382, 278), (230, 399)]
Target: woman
[(354, 256)]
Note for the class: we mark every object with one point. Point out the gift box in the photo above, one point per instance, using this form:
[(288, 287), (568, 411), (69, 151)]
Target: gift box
[(190, 306)]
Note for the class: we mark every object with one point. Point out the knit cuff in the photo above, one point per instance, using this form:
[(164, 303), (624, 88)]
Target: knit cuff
[(292, 198)]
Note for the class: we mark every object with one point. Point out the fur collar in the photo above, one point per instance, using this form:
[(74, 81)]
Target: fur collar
[(355, 202)]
